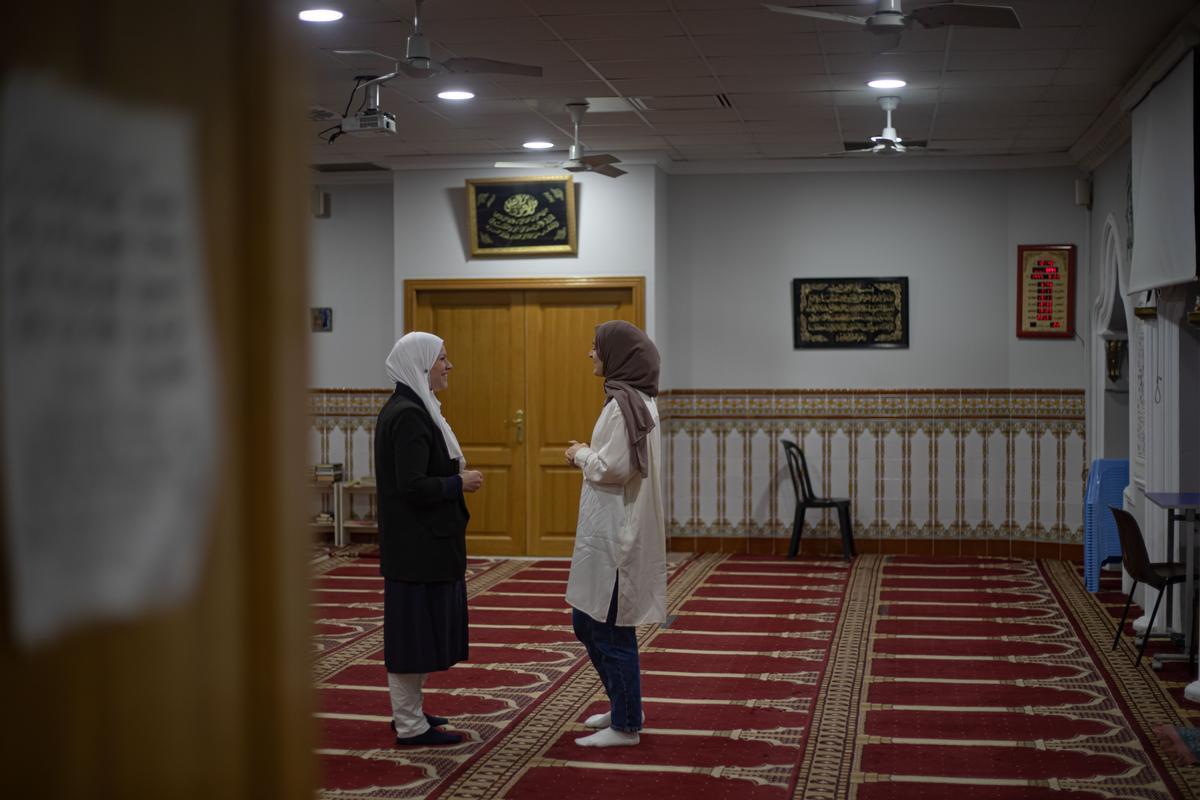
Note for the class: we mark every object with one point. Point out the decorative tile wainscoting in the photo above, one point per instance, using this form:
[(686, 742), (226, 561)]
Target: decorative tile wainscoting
[(343, 428), (966, 471), (947, 471)]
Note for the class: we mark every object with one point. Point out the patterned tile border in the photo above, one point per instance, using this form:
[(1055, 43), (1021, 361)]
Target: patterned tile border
[(1013, 460)]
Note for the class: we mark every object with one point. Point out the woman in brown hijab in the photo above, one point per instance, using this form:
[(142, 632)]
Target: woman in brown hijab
[(618, 572)]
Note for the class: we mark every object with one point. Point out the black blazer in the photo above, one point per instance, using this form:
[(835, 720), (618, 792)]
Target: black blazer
[(422, 514)]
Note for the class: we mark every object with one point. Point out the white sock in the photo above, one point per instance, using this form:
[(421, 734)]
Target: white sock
[(604, 720), (609, 737)]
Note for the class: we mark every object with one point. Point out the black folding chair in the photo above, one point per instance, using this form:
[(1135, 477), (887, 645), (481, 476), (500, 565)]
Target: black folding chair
[(806, 498), (1136, 561)]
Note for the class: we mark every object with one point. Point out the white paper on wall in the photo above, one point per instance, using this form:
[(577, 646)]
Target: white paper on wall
[(109, 410)]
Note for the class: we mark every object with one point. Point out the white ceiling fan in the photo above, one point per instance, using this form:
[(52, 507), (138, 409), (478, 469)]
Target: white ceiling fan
[(889, 20), (888, 142), (417, 62), (576, 161)]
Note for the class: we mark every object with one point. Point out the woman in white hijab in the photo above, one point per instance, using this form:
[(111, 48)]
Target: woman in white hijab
[(420, 480)]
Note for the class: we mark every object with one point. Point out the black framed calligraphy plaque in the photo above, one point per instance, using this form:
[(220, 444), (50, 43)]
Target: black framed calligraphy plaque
[(522, 216), (849, 312)]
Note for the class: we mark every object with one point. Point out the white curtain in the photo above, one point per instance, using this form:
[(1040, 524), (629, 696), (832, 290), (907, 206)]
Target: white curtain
[(1164, 182)]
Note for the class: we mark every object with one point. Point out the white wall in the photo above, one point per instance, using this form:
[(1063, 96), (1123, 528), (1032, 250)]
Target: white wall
[(737, 241), (658, 314), (718, 253), (617, 232), (351, 272)]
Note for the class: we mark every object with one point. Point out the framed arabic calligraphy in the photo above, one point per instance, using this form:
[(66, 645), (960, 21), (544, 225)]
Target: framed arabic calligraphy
[(522, 216), (849, 312)]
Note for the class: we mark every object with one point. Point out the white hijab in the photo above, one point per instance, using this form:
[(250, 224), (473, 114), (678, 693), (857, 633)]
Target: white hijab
[(413, 355)]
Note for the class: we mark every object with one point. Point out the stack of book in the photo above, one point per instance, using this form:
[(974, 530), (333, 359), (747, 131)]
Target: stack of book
[(327, 473)]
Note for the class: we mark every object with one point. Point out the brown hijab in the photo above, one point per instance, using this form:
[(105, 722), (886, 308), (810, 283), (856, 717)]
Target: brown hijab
[(630, 362)]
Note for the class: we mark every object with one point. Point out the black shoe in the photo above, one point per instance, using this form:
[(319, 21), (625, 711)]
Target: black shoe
[(434, 722), (431, 737)]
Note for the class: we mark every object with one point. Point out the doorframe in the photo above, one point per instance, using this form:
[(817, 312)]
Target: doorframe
[(414, 286)]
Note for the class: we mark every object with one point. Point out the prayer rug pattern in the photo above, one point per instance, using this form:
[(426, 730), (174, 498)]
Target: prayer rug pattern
[(728, 684), (904, 677), (982, 678)]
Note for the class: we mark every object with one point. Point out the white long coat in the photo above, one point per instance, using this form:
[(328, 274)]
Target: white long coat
[(621, 529)]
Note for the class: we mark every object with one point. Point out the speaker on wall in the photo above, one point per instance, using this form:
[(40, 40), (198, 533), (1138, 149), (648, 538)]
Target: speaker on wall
[(1083, 192), (320, 204)]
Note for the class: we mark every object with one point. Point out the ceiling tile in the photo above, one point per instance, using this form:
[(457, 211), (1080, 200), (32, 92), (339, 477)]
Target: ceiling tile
[(776, 66), (651, 86), (990, 60), (1003, 77), (589, 7), (453, 32), (658, 49), (898, 64), (767, 44), (1009, 39), (795, 86), (642, 25), (737, 22), (774, 83), (1043, 14), (678, 68)]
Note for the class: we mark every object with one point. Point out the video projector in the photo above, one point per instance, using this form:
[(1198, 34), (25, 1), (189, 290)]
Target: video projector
[(370, 121)]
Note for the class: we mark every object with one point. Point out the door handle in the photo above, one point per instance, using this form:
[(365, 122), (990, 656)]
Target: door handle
[(519, 421)]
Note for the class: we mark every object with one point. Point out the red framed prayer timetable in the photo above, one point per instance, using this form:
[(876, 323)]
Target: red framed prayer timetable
[(1045, 291)]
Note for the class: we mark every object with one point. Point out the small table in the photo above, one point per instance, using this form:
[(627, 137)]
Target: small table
[(1181, 507)]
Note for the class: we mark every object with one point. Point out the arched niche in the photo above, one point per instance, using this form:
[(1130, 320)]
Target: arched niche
[(1111, 361)]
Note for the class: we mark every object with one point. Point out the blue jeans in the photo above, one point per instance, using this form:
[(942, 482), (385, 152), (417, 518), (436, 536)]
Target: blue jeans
[(613, 651)]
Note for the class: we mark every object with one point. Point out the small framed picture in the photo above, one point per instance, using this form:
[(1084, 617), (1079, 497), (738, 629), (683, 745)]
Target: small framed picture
[(322, 319), (1045, 291)]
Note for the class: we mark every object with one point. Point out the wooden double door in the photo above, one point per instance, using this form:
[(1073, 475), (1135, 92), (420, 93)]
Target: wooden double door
[(522, 387)]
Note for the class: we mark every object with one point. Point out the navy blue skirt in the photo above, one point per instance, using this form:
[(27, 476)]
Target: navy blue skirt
[(424, 625)]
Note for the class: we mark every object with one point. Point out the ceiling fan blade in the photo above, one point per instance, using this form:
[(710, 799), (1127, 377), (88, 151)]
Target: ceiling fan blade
[(883, 43), (942, 14), (865, 145), (527, 164), (608, 169), (810, 12), (600, 159), (467, 66)]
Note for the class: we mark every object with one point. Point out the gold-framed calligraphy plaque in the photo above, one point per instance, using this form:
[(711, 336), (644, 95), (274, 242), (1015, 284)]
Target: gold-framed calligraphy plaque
[(850, 312), (1045, 291), (522, 216)]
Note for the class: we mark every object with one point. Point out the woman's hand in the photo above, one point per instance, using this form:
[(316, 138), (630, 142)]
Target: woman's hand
[(472, 480), (573, 449)]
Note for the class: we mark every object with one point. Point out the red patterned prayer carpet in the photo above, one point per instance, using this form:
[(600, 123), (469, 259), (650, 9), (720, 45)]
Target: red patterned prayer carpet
[(728, 683), (984, 678), (901, 678)]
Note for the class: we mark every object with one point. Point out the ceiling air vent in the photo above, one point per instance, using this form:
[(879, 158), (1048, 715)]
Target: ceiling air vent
[(354, 166), (684, 102)]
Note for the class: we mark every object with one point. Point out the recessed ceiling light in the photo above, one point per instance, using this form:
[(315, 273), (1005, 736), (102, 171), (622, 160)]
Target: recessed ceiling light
[(538, 145), (887, 83), (456, 94), (320, 15)]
